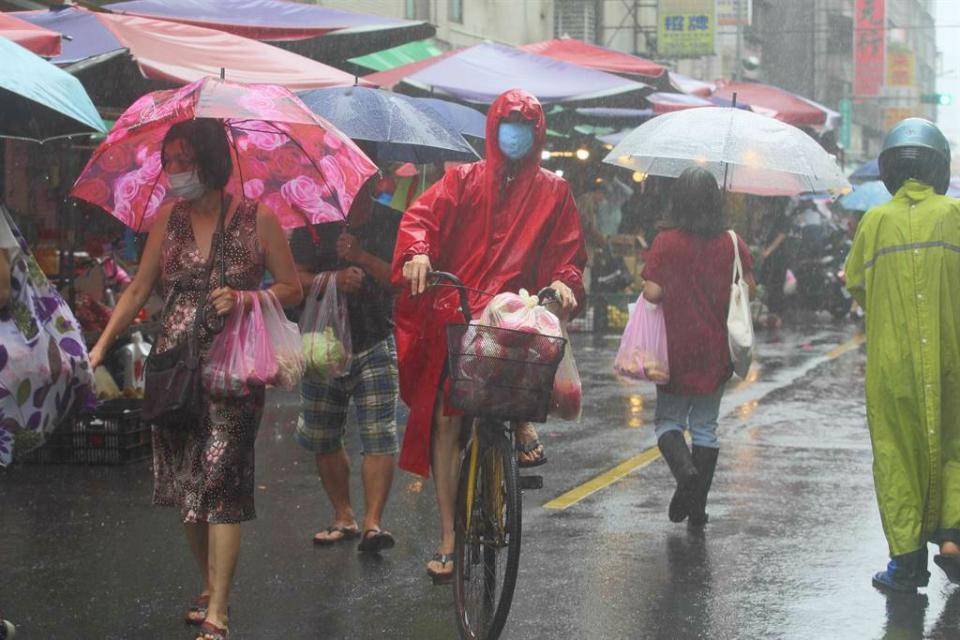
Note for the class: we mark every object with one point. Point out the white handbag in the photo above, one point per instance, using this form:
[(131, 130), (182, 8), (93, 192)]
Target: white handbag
[(739, 320)]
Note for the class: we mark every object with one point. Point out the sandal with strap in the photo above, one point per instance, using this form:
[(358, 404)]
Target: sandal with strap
[(530, 447), (381, 540), (346, 534), (210, 631), (441, 577), (197, 612)]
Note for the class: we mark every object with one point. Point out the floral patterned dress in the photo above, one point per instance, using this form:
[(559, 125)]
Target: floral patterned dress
[(208, 471), (44, 368)]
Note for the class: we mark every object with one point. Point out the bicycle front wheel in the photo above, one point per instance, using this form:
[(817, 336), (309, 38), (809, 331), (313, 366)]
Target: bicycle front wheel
[(487, 551)]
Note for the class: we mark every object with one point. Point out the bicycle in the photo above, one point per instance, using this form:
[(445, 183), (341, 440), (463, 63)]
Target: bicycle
[(497, 377)]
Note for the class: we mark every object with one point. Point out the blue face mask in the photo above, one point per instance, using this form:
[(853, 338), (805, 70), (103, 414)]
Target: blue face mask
[(515, 139)]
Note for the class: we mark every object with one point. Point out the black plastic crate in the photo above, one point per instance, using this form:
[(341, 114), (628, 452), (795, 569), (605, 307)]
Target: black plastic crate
[(112, 434)]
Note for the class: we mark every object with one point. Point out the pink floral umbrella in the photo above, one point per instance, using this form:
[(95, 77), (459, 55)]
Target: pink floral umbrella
[(294, 162)]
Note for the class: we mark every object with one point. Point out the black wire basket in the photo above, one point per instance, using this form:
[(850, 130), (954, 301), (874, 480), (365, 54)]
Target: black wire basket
[(501, 373)]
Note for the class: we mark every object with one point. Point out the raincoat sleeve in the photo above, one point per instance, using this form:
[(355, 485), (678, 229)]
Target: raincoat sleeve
[(855, 268), (564, 256), (419, 231)]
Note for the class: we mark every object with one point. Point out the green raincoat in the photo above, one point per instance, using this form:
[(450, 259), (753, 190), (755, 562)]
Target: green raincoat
[(904, 270)]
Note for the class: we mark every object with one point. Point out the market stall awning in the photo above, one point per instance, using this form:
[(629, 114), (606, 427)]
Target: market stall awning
[(179, 53), (258, 19), (691, 86), (668, 102), (29, 36), (482, 72), (320, 33), (398, 56), (596, 57), (775, 102)]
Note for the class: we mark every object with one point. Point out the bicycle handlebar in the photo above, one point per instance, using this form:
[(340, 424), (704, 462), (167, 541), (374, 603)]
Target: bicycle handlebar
[(547, 295)]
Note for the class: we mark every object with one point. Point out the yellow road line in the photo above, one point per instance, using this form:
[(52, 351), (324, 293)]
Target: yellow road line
[(644, 458), (849, 345), (603, 480)]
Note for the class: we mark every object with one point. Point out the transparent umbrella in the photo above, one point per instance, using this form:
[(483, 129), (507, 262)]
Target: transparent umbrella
[(748, 152)]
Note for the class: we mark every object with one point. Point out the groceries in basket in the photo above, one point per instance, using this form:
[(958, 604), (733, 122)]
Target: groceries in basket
[(643, 347)]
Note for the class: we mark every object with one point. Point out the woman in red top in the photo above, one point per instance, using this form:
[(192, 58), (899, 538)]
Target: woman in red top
[(689, 270)]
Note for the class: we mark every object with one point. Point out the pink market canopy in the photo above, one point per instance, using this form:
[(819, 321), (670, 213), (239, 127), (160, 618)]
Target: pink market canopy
[(38, 40), (596, 57), (180, 53), (482, 72), (294, 162), (776, 102)]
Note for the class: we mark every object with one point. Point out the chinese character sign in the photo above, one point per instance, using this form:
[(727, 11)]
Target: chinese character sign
[(730, 13), (900, 69), (869, 47), (685, 28)]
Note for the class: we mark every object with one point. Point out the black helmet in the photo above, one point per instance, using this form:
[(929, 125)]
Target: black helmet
[(915, 148)]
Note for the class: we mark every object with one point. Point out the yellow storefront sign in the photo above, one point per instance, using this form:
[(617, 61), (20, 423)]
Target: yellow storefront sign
[(685, 28), (900, 69)]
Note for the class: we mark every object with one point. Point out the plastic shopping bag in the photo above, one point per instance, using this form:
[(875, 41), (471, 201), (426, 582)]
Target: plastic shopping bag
[(325, 325), (567, 399), (241, 355), (520, 312), (287, 344), (643, 347)]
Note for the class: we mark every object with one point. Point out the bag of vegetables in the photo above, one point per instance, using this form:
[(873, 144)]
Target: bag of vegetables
[(287, 345), (643, 347), (325, 325)]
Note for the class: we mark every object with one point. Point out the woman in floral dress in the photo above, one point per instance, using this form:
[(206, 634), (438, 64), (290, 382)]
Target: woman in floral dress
[(44, 370), (206, 471)]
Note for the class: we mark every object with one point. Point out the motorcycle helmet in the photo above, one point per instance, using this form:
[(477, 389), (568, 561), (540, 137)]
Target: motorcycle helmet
[(915, 148)]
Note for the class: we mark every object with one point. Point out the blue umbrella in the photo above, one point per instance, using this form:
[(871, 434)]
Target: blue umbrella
[(467, 121), (866, 196), (868, 172), (40, 102), (404, 130)]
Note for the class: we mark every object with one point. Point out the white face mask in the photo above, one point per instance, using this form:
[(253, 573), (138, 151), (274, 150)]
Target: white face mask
[(186, 185)]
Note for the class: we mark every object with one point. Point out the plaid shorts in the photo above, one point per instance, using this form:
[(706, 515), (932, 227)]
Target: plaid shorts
[(372, 383)]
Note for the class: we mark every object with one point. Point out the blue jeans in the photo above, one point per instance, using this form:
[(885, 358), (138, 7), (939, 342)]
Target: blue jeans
[(698, 413)]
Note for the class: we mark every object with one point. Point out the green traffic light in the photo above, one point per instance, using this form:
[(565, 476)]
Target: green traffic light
[(944, 99)]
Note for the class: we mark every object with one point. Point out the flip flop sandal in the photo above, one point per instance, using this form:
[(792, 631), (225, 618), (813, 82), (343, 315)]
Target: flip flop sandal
[(441, 577), (950, 565), (380, 541), (346, 533), (197, 611), (210, 631), (529, 447)]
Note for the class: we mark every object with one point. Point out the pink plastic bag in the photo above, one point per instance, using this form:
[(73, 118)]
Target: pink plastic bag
[(241, 355), (286, 341), (643, 347), (567, 399)]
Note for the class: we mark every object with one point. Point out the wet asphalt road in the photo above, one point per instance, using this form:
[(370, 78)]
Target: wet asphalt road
[(793, 538)]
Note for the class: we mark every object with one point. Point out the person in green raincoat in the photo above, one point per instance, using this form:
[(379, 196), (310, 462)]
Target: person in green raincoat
[(904, 270)]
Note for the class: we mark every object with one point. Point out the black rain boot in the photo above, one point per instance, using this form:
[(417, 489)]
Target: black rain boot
[(675, 452), (705, 459)]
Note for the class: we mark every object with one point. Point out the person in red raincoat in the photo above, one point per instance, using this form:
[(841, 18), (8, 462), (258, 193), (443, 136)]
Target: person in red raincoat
[(500, 224)]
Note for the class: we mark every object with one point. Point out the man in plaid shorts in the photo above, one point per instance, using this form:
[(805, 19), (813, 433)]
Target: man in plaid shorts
[(359, 258)]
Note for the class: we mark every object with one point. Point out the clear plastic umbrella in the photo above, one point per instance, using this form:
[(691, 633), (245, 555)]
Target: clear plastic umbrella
[(747, 152)]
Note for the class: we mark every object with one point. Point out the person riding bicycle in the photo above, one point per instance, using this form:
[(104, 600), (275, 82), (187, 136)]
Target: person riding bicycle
[(500, 224)]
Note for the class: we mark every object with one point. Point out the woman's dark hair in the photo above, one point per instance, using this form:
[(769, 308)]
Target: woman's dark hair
[(697, 205), (208, 139)]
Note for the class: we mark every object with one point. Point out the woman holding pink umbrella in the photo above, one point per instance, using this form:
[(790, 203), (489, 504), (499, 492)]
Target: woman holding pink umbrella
[(183, 162)]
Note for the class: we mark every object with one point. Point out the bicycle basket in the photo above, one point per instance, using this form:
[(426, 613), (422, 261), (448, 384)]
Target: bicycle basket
[(502, 373)]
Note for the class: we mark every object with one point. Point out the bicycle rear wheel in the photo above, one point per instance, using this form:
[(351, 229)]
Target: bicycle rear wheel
[(487, 551)]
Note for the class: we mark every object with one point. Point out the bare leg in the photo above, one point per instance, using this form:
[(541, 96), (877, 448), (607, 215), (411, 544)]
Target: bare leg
[(525, 433), (224, 548), (198, 539), (334, 471), (446, 469), (377, 478)]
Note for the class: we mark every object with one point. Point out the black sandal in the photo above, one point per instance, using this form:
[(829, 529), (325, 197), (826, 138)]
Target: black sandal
[(530, 447), (380, 541), (441, 577), (346, 534)]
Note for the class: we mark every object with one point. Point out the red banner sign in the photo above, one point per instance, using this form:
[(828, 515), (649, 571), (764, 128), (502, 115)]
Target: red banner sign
[(869, 47)]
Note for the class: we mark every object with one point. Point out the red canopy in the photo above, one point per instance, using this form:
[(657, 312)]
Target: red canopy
[(596, 57), (774, 102), (392, 77), (183, 53), (40, 41)]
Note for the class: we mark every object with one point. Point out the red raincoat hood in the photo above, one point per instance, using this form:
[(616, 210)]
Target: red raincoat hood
[(530, 108)]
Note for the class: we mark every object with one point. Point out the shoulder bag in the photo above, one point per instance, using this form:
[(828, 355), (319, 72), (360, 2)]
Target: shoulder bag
[(739, 319)]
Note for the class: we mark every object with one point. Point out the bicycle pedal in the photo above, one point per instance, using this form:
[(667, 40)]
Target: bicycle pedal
[(531, 483)]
